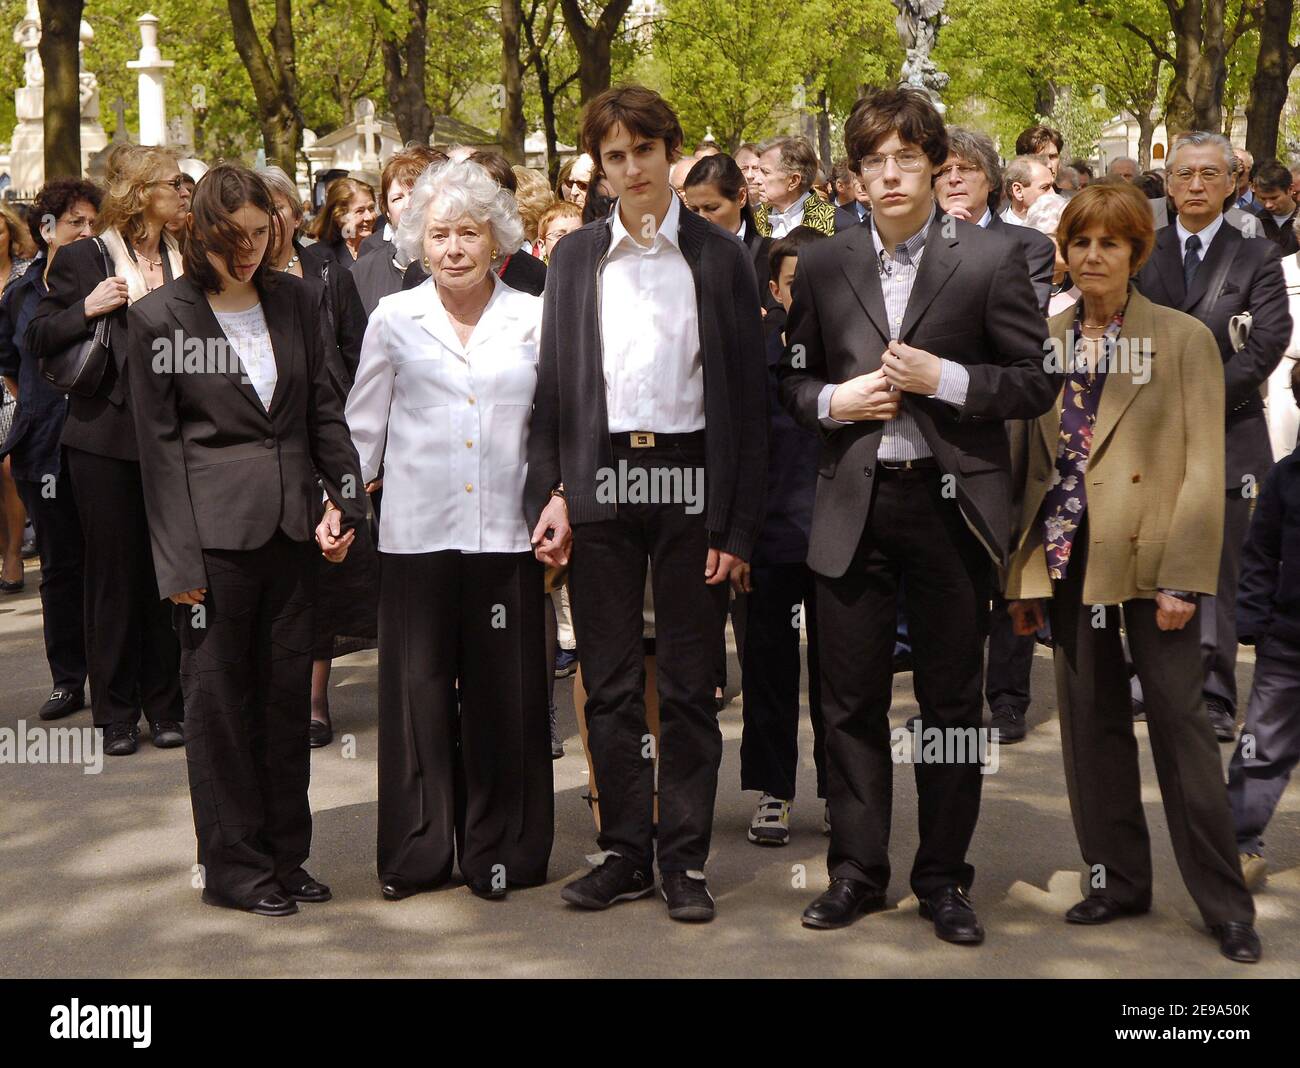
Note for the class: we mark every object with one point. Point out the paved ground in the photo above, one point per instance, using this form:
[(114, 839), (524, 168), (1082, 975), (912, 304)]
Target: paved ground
[(95, 874)]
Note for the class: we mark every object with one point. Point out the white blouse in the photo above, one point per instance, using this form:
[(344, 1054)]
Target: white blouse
[(248, 335), (448, 423)]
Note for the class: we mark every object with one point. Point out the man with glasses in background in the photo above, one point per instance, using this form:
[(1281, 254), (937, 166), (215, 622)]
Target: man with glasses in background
[(1215, 273)]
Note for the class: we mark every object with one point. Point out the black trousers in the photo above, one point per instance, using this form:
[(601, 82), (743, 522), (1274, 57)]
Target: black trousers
[(1010, 660), (769, 745), (606, 592), (246, 655), (131, 649), (470, 777), (1101, 752), (917, 535), (1218, 614), (53, 511)]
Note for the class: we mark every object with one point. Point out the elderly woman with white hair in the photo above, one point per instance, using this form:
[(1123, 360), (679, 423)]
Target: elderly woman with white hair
[(443, 398), (1045, 216)]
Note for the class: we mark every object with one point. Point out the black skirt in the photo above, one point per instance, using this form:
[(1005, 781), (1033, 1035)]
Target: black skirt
[(347, 600)]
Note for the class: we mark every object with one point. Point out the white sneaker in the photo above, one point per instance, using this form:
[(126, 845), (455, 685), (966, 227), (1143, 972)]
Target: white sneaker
[(771, 823)]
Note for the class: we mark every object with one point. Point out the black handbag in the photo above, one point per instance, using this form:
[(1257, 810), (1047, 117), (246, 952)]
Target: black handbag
[(80, 367)]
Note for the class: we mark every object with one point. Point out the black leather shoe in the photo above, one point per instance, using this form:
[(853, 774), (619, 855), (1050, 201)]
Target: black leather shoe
[(486, 889), (62, 703), (319, 734), (954, 916), (119, 739), (842, 903), (1096, 910), (395, 889), (1010, 725), (1239, 942), (168, 734), (12, 587), (688, 897), (274, 904), (311, 891), (1221, 719)]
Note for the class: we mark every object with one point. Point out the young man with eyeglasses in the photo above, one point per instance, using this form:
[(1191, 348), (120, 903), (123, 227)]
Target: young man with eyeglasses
[(1210, 270), (910, 341)]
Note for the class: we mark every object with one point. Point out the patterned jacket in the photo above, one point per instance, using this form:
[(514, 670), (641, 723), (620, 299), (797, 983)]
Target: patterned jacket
[(818, 214)]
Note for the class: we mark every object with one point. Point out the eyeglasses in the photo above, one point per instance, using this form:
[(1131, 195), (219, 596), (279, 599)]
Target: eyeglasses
[(175, 183), (908, 160), (1208, 174), (966, 170), (576, 183)]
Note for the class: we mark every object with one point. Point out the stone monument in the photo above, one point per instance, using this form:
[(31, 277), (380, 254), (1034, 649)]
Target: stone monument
[(918, 25)]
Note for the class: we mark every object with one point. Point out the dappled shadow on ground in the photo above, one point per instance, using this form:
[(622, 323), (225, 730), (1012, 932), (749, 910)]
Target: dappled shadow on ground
[(96, 875)]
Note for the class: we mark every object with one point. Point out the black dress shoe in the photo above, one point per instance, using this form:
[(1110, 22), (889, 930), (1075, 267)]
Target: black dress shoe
[(395, 889), (1239, 942), (486, 889), (842, 903), (12, 587), (310, 890), (1221, 719), (274, 904), (1010, 724), (1095, 909), (954, 916), (319, 734), (62, 703), (119, 739), (168, 734)]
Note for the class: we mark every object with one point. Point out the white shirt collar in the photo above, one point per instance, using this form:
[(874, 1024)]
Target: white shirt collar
[(1206, 235), (667, 229), (741, 232), (985, 219), (794, 209)]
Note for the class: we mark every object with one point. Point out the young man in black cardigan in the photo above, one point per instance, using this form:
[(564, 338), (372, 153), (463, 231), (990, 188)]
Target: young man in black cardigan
[(648, 436)]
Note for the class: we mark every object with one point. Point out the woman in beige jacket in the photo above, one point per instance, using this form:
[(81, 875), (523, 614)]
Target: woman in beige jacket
[(1121, 525)]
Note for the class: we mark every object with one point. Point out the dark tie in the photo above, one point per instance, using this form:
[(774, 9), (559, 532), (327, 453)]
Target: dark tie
[(1191, 261)]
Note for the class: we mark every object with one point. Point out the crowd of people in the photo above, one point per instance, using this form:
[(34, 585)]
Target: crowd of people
[(915, 411)]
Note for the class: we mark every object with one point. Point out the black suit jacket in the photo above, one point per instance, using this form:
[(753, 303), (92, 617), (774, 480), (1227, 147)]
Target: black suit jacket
[(100, 424), (1040, 255), (1238, 274), (1283, 236), (759, 248), (524, 272), (219, 471), (317, 252), (344, 322), (971, 303), (846, 217)]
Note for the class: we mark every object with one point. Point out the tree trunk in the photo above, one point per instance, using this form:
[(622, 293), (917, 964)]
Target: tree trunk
[(1201, 47), (60, 34), (404, 76), (1272, 72), (1146, 130), (274, 80), (592, 42), (824, 131), (510, 128)]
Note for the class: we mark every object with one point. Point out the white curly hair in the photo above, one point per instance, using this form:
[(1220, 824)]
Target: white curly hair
[(454, 190)]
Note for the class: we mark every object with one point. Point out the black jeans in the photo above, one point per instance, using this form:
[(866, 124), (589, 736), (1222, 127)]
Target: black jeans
[(606, 591), (769, 746), (63, 587), (917, 536)]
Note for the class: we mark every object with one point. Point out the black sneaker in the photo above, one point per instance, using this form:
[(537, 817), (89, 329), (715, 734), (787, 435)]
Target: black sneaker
[(1221, 719), (566, 663), (119, 739), (168, 734), (688, 897), (617, 879), (1010, 723), (62, 702)]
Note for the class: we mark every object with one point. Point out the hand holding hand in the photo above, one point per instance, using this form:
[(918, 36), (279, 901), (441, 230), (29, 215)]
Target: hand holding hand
[(333, 543), (553, 537)]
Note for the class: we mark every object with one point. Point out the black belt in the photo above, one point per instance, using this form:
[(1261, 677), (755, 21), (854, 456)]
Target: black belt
[(646, 439), (922, 468)]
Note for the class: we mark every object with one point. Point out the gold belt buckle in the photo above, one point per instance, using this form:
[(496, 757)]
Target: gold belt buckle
[(641, 439)]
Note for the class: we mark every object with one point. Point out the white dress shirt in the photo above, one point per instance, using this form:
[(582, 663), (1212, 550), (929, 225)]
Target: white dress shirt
[(782, 222), (650, 333), (448, 423), (1206, 235), (248, 335), (1009, 216)]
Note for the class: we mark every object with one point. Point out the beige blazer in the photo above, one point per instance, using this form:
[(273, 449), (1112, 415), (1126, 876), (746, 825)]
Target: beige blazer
[(1155, 474)]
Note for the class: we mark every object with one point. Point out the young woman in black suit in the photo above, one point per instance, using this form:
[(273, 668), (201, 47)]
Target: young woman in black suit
[(132, 655), (236, 416)]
